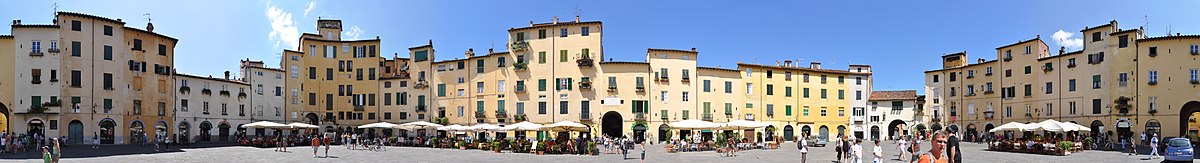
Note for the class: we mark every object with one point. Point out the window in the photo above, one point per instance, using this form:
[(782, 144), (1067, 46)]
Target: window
[(823, 79), (805, 92), (541, 34), (562, 56), (542, 85), (640, 83), (1049, 87), (108, 30), (858, 95), (542, 107), (1028, 69), (563, 107), (520, 107), (76, 25), (562, 32), (1095, 81), (1124, 42), (1153, 77), (1008, 73), (1028, 90), (685, 96), (858, 80), (663, 96), (824, 112), (1071, 106), (479, 66), (500, 62), (1193, 49), (1123, 79), (770, 110), (1071, 85), (1153, 100), (499, 86), (770, 89), (988, 71), (108, 81), (707, 84), (787, 91), (805, 111), (806, 78), (841, 94), (541, 57), (841, 79), (108, 53), (75, 47), (1028, 49), (1008, 111), (584, 31), (749, 88), (36, 46), (769, 74), (748, 71), (1096, 36), (137, 44), (1192, 75), (441, 90), (935, 78), (823, 95), (478, 87), (728, 87), (1096, 106)]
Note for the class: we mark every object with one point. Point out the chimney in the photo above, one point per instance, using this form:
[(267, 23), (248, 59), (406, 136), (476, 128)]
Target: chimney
[(776, 63), (490, 51), (576, 18), (693, 49), (814, 65), (16, 22), (226, 75), (470, 52), (395, 55), (981, 60), (1062, 50), (530, 23), (787, 63), (556, 20), (430, 42), (149, 27)]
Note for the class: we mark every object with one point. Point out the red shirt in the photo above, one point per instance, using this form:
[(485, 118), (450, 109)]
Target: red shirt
[(316, 142)]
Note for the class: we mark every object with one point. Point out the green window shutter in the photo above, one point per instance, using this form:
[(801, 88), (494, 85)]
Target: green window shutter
[(541, 57), (787, 110), (805, 92), (728, 108), (569, 84), (541, 84), (749, 105), (558, 84), (634, 107), (562, 56)]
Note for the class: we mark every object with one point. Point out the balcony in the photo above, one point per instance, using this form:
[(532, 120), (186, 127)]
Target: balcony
[(987, 74), (970, 76), (685, 79), (53, 50), (520, 117), (36, 54), (1047, 68), (36, 81), (1195, 81), (584, 61), (421, 84), (1029, 115), (1071, 65), (641, 89), (1007, 58), (480, 115), (519, 89), (1152, 82), (501, 114), (989, 92), (359, 108), (224, 93), (520, 46), (421, 108), (641, 117), (520, 66), (988, 115), (707, 117), (612, 88), (585, 84), (585, 117), (185, 89)]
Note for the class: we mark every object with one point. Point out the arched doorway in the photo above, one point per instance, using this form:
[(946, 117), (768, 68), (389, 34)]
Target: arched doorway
[(664, 133), (184, 131), (611, 124), (108, 129), (935, 127), (1153, 127), (770, 133), (136, 132), (160, 130), (788, 133), (1185, 116), (3, 117), (36, 126), (874, 132), (1097, 127), (639, 132), (823, 131), (896, 129), (312, 119), (805, 131), (75, 132), (206, 131), (223, 132), (970, 133), (841, 131), (920, 129), (988, 127)]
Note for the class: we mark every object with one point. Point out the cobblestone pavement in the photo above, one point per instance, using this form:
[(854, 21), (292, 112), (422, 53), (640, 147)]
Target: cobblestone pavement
[(655, 153)]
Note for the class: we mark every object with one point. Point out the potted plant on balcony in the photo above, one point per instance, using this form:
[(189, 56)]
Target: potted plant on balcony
[(206, 91), (1122, 104), (224, 93), (519, 117), (185, 89), (520, 66), (241, 95)]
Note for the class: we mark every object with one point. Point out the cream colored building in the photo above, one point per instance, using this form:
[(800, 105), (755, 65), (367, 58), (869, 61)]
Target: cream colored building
[(211, 109), (90, 75), (267, 97), (811, 99), (897, 109), (1117, 84)]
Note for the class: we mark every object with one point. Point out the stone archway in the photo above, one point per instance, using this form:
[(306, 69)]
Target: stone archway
[(1185, 114), (312, 119), (223, 131), (3, 117), (875, 133), (75, 132), (896, 128), (788, 133), (805, 131), (108, 128), (611, 124)]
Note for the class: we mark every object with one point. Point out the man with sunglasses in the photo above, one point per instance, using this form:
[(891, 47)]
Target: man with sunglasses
[(937, 144)]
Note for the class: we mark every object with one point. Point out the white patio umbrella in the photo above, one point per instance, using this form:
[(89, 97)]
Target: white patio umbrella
[(1081, 127), (417, 125), (1010, 126), (485, 127), (379, 125), (266, 124), (302, 125), (1052, 126), (693, 125), (565, 126), (453, 128), (743, 124), (524, 126)]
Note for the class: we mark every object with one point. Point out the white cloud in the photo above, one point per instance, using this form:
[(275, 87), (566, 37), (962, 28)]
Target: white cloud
[(1064, 40), (352, 33), (311, 5), (283, 28)]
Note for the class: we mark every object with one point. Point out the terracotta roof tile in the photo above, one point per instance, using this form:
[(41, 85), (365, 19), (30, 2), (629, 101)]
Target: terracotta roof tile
[(894, 95)]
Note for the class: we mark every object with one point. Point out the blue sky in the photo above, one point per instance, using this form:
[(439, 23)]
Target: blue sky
[(900, 39)]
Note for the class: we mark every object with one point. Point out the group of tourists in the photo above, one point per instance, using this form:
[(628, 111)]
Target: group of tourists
[(944, 148)]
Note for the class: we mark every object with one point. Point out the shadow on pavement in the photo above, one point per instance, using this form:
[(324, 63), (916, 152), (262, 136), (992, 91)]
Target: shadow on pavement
[(85, 151)]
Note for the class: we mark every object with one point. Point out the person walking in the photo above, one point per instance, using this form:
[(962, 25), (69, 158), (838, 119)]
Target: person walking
[(327, 141), (46, 157), (900, 146), (316, 144), (643, 153), (953, 148), (914, 148), (1154, 146), (878, 152), (56, 152), (95, 140), (857, 149), (839, 150), (803, 145), (937, 144)]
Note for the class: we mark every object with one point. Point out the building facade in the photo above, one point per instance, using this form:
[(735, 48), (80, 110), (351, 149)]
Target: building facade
[(88, 75), (897, 111), (1122, 83), (211, 109)]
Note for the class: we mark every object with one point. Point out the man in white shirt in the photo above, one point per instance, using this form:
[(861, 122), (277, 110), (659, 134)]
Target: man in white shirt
[(878, 152), (1154, 146), (857, 150)]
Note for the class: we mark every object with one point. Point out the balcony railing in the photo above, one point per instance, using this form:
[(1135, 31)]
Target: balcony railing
[(639, 117), (421, 108), (706, 117), (520, 46), (641, 89), (584, 61), (52, 50), (585, 117), (501, 114), (421, 84), (612, 88), (480, 115), (36, 54), (585, 85), (359, 108), (520, 66), (520, 89)]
